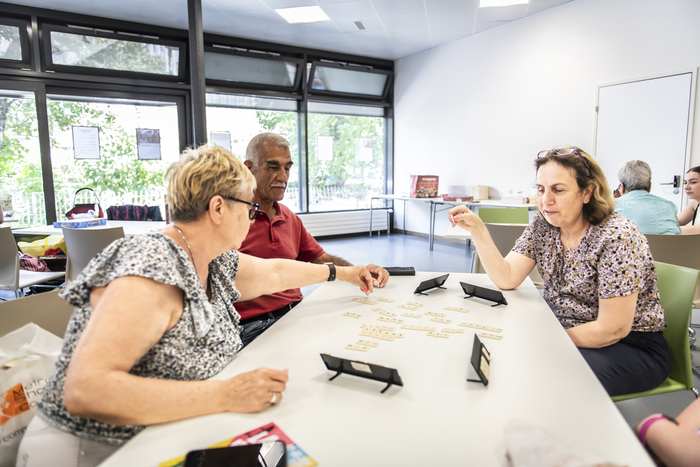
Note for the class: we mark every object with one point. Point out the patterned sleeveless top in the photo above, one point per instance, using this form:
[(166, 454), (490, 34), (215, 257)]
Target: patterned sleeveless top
[(199, 346)]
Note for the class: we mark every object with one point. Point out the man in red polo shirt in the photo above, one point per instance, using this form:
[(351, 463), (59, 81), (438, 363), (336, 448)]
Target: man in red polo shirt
[(279, 233)]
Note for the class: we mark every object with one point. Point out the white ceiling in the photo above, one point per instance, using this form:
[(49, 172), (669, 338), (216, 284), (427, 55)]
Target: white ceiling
[(394, 28)]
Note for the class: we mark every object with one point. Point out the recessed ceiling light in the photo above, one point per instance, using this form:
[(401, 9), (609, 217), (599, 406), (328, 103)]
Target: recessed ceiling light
[(303, 14), (490, 3)]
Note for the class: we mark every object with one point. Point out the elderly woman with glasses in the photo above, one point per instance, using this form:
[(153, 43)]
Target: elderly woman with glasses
[(598, 273), (154, 320)]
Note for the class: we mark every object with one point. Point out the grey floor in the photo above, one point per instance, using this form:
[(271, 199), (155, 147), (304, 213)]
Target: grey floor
[(407, 250)]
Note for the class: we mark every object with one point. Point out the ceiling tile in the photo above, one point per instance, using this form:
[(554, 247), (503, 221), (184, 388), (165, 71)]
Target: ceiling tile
[(221, 24), (503, 13), (275, 4), (370, 40), (404, 22), (330, 2), (178, 8), (445, 36), (149, 13), (537, 7), (39, 4), (451, 5), (395, 28), (460, 20), (410, 36), (320, 27), (349, 11), (371, 24), (327, 41), (265, 19), (227, 6), (448, 26), (378, 46), (399, 7)]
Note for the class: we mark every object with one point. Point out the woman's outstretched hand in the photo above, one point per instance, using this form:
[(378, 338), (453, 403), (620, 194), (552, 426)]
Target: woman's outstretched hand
[(463, 217)]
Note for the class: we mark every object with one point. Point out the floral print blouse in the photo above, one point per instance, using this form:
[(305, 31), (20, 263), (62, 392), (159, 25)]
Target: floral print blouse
[(200, 345), (613, 260)]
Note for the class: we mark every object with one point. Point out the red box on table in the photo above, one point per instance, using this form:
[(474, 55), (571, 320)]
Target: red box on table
[(424, 186)]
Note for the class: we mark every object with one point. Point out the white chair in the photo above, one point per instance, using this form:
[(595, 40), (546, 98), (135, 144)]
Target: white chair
[(505, 236), (85, 244), (11, 276), (46, 310)]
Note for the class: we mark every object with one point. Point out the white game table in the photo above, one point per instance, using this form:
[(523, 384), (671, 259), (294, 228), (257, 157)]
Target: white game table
[(437, 417), (130, 228), (434, 209)]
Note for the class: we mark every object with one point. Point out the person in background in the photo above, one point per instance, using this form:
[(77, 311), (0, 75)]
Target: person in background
[(673, 442), (688, 217), (650, 213), (599, 277), (154, 321), (2, 216), (279, 233)]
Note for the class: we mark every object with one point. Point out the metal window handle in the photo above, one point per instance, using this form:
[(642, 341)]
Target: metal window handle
[(676, 182)]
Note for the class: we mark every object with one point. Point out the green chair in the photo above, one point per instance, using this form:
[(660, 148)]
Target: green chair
[(504, 215), (676, 286)]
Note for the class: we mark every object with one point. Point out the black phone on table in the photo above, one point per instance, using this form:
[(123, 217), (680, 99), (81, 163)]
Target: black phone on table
[(269, 454)]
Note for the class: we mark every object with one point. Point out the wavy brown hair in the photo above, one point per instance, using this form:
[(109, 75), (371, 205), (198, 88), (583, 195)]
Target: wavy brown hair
[(587, 172)]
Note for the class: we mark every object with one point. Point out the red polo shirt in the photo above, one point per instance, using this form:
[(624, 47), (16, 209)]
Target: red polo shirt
[(284, 237)]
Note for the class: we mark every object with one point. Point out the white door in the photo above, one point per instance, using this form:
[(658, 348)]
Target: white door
[(647, 120)]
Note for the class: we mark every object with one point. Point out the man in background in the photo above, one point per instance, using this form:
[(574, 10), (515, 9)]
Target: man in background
[(278, 233), (652, 214)]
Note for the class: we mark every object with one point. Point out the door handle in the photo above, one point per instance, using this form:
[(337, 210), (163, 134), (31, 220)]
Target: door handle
[(676, 182)]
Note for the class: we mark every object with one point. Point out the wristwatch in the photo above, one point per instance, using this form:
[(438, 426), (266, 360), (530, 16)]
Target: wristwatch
[(331, 275)]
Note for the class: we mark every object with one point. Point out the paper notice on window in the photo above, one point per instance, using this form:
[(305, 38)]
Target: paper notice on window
[(221, 139), (364, 149), (148, 144), (86, 142), (324, 148)]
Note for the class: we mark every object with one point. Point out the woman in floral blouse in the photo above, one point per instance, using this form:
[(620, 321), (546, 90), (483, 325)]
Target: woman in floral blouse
[(598, 274), (154, 320)]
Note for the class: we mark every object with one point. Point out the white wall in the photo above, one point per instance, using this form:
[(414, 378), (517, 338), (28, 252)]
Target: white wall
[(477, 110)]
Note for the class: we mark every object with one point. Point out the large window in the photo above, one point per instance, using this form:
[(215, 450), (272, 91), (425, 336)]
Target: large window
[(20, 158), (346, 157), (10, 43), (109, 104), (108, 52), (251, 68), (235, 119), (121, 167), (14, 46)]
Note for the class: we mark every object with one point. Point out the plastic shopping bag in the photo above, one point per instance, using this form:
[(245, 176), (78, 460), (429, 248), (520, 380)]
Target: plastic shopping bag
[(27, 359), (40, 247)]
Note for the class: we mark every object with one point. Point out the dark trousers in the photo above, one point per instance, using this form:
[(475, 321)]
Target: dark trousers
[(253, 327), (639, 362)]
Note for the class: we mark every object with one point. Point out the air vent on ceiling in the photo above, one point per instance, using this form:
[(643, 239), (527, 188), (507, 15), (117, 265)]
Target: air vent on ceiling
[(360, 26)]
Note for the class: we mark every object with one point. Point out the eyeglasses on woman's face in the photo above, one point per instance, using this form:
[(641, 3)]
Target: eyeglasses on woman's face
[(252, 211), (565, 152)]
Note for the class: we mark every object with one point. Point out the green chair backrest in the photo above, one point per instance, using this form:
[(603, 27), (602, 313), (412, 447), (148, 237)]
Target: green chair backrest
[(504, 215), (676, 286)]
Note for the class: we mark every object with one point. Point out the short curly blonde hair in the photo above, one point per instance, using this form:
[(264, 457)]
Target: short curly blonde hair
[(201, 174)]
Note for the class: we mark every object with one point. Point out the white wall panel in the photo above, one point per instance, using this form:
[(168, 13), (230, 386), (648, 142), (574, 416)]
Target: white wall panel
[(477, 110)]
